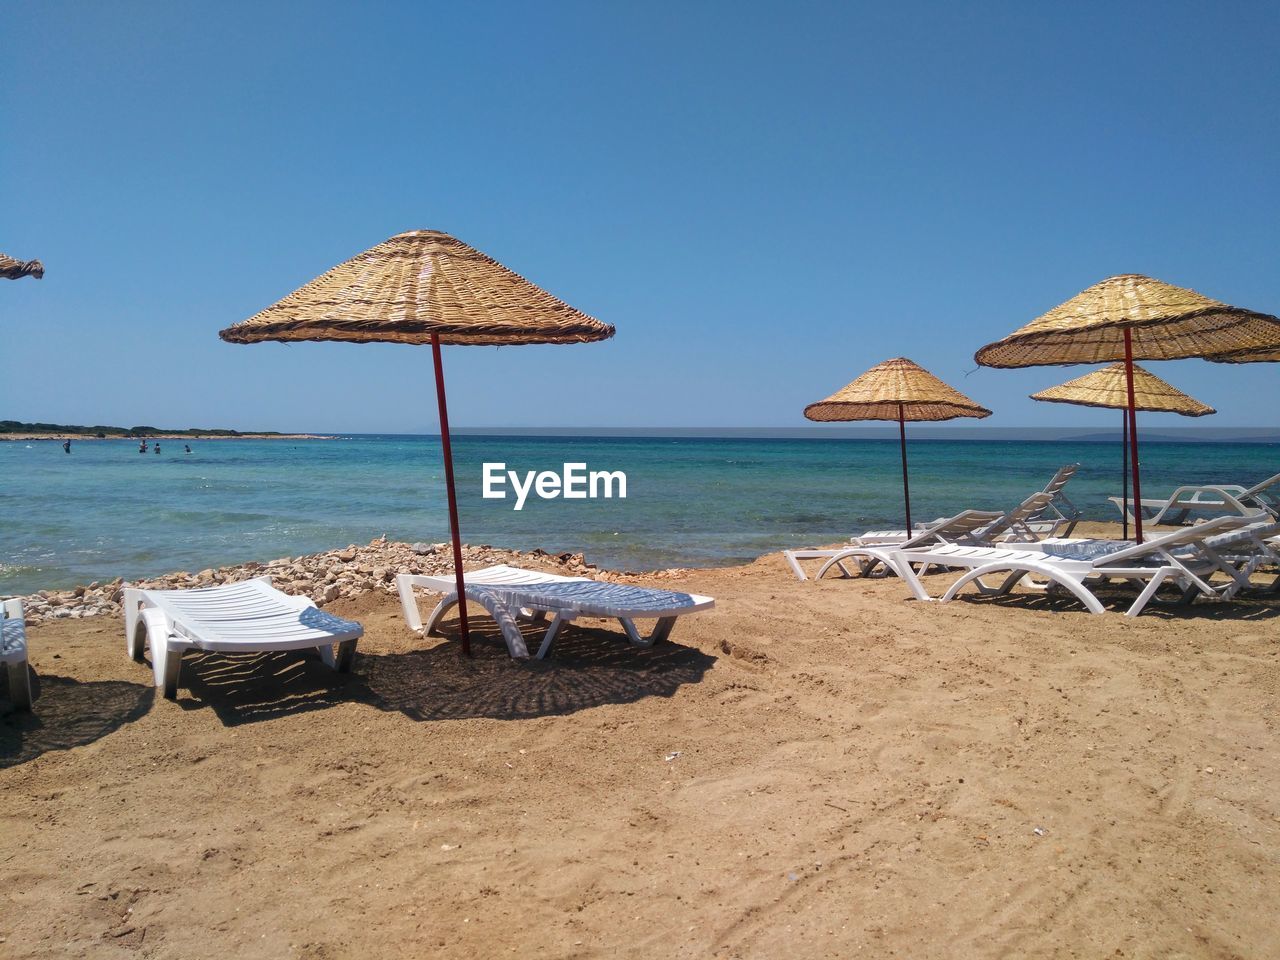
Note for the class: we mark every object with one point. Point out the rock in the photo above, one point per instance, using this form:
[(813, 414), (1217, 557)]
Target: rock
[(422, 549), (346, 556), (381, 573), (78, 591), (331, 593)]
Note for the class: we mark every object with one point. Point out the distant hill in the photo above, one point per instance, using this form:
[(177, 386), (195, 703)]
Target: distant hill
[(16, 426)]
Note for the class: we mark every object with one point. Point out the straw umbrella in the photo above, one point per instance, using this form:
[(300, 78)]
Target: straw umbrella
[(423, 287), (11, 269), (1249, 356), (1109, 387), (1132, 317), (896, 390)]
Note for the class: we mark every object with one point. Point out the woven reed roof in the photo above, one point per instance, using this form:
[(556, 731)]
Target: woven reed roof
[(1250, 356), (1166, 323), (877, 393), (12, 269), (1108, 388), (416, 284)]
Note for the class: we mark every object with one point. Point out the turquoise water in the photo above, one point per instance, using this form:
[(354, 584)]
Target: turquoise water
[(107, 511)]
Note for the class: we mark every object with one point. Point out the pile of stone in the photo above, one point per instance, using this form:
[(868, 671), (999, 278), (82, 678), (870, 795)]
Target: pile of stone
[(324, 577)]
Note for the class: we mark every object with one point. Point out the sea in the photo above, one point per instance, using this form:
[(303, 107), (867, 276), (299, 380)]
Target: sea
[(106, 511)]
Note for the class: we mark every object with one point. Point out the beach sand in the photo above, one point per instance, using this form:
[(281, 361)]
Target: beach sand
[(820, 769)]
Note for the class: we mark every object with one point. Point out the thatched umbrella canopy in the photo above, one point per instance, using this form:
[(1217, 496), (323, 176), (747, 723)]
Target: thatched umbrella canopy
[(1132, 317), (417, 286), (1109, 388), (11, 269), (423, 287), (1249, 356), (1160, 321), (896, 390)]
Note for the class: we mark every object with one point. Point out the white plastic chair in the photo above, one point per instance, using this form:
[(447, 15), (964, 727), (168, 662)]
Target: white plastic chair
[(1214, 498), (1186, 558), (510, 594), (13, 652), (246, 617)]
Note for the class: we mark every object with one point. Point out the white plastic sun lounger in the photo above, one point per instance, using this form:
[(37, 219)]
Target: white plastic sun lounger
[(246, 617), (1056, 516), (1179, 558), (974, 527), (13, 652), (509, 594), (1048, 513), (947, 530), (1217, 499)]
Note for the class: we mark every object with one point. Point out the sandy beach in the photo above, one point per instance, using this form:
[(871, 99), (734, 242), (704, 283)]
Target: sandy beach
[(820, 769)]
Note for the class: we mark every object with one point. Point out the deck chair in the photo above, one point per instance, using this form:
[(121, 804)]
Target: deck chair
[(1179, 558), (1057, 517), (969, 527), (511, 594), (246, 617), (13, 652), (946, 530), (1186, 502)]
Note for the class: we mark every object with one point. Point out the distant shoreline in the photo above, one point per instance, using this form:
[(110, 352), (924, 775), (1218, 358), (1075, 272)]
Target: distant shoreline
[(166, 436)]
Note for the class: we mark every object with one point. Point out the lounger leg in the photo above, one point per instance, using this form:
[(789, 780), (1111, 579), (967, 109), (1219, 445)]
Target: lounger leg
[(1147, 593), (447, 603), (1078, 590), (408, 602), (133, 641), (903, 568), (661, 630), (794, 564), (20, 684), (507, 620), (550, 636), (346, 656), (166, 661)]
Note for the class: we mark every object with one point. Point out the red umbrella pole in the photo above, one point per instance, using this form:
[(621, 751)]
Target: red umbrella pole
[(1133, 437), (1124, 470), (906, 492), (453, 497)]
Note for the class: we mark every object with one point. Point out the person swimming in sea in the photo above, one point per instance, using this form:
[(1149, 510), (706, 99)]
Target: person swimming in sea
[(157, 446), (142, 447), (66, 446), (188, 446)]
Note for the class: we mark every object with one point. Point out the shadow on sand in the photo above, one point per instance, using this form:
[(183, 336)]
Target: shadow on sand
[(1243, 608), (589, 667), (70, 713)]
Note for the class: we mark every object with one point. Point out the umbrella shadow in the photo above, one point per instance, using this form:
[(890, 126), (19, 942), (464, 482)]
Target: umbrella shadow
[(70, 713), (589, 667)]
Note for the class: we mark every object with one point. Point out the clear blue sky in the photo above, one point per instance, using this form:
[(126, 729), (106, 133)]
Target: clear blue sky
[(765, 199)]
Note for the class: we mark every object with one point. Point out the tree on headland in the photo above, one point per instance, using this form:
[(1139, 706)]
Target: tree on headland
[(102, 432)]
